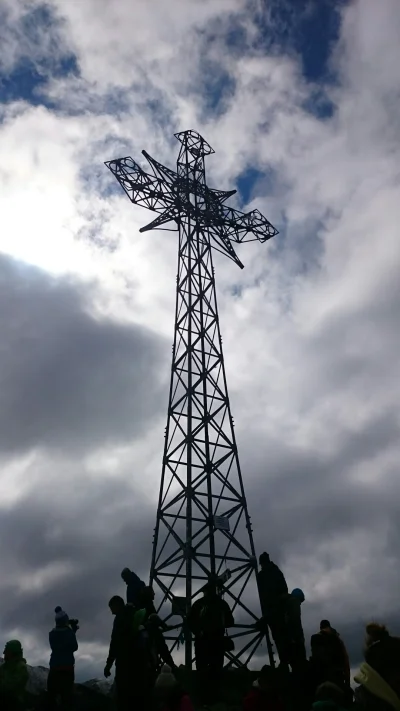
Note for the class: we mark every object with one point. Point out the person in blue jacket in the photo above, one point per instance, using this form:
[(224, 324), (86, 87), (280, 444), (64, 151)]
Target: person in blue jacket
[(134, 586), (63, 644), (297, 654)]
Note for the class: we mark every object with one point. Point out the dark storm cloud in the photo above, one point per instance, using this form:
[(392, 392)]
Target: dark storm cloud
[(295, 490), (95, 536), (68, 379), (301, 501)]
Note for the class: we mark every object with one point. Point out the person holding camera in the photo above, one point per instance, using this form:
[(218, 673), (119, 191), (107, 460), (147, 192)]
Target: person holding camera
[(63, 644)]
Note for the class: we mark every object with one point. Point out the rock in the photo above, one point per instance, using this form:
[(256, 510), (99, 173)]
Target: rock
[(92, 695), (37, 683), (102, 686)]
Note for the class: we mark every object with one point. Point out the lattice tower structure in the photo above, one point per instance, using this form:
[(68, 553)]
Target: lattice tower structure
[(203, 530)]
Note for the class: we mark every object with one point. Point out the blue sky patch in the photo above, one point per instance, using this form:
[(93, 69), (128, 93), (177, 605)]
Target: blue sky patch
[(25, 83), (27, 80), (247, 181), (306, 27), (319, 104), (252, 182)]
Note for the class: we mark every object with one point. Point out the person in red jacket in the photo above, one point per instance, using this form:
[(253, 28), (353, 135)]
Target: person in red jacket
[(264, 694)]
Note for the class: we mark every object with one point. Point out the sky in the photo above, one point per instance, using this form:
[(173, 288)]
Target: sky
[(300, 101)]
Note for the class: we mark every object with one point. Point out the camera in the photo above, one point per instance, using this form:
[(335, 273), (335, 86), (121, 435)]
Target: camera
[(74, 625)]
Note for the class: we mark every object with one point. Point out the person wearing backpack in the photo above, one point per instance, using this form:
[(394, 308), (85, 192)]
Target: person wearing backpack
[(129, 651), (208, 620), (155, 627)]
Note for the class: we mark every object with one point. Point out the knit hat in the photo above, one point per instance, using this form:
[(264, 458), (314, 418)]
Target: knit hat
[(14, 647), (61, 616), (299, 594), (166, 679)]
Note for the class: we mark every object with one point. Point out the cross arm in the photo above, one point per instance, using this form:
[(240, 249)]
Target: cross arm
[(242, 226), (141, 188), (168, 176)]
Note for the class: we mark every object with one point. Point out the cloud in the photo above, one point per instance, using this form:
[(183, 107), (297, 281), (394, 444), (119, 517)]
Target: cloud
[(70, 380), (67, 544), (31, 33), (310, 326)]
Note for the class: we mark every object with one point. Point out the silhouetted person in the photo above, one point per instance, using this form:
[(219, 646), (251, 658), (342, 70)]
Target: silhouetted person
[(134, 586), (297, 646), (13, 677), (208, 620), (264, 694), (129, 651), (273, 592), (63, 644), (155, 627), (379, 677), (329, 658)]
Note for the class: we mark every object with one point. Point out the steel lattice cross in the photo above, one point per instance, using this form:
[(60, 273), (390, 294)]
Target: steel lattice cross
[(203, 528)]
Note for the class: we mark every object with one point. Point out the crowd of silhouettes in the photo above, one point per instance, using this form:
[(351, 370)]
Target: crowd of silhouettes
[(146, 676)]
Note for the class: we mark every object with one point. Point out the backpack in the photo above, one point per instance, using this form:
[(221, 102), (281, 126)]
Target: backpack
[(140, 633), (212, 617)]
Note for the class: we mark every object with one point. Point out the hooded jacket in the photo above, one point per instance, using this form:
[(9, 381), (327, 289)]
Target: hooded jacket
[(374, 693), (134, 586), (329, 650), (272, 586), (63, 644), (14, 677)]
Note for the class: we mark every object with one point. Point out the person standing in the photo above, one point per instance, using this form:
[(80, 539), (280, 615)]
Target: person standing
[(379, 676), (295, 634), (63, 644), (155, 627), (273, 591), (208, 620), (129, 651), (329, 658), (13, 677), (134, 586)]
